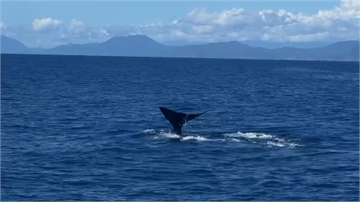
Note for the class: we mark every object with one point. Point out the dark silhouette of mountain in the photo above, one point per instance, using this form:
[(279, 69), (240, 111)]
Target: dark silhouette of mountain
[(335, 51), (274, 45), (73, 49), (136, 45), (352, 54), (230, 49), (9, 45), (143, 46)]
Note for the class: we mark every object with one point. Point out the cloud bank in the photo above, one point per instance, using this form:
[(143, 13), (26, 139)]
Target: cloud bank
[(46, 25), (200, 25)]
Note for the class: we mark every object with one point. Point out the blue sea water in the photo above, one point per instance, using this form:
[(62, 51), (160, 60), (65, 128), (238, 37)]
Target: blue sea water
[(90, 128)]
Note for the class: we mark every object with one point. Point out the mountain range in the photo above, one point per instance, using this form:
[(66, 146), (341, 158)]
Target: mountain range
[(143, 46)]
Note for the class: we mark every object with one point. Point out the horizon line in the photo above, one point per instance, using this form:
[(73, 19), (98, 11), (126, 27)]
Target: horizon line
[(196, 44)]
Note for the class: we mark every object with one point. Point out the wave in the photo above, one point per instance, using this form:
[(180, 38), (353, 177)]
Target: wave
[(240, 137)]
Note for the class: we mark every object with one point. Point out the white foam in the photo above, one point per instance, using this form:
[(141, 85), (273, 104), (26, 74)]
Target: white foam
[(169, 135), (278, 139), (255, 137), (198, 138), (282, 144), (251, 135), (277, 144), (235, 140), (149, 131)]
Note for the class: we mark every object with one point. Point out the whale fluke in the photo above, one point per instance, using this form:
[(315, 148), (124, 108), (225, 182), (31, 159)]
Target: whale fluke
[(178, 119)]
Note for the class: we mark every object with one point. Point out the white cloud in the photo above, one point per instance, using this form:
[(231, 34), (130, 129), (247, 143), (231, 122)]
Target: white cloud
[(46, 24), (237, 24), (77, 27), (200, 25)]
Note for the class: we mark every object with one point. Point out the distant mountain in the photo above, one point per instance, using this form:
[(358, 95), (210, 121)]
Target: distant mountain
[(136, 45), (352, 55), (9, 45), (335, 51), (274, 45), (143, 46), (230, 49), (72, 49)]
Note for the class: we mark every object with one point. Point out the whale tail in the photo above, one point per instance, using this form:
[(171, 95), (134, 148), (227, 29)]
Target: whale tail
[(178, 119)]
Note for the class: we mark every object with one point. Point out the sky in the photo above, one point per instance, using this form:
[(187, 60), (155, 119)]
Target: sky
[(51, 23)]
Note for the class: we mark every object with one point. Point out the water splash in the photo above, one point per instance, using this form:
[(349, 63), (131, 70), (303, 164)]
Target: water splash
[(251, 135), (238, 137)]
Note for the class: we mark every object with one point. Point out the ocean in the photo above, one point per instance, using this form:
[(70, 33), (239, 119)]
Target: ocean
[(90, 128)]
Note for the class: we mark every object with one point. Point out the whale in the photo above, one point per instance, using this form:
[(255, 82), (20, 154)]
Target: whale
[(178, 119)]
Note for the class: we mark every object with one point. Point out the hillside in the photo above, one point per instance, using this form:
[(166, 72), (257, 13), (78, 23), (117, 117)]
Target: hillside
[(9, 45), (143, 46)]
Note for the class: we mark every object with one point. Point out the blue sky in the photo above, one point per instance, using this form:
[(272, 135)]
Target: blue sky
[(140, 12), (51, 23)]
